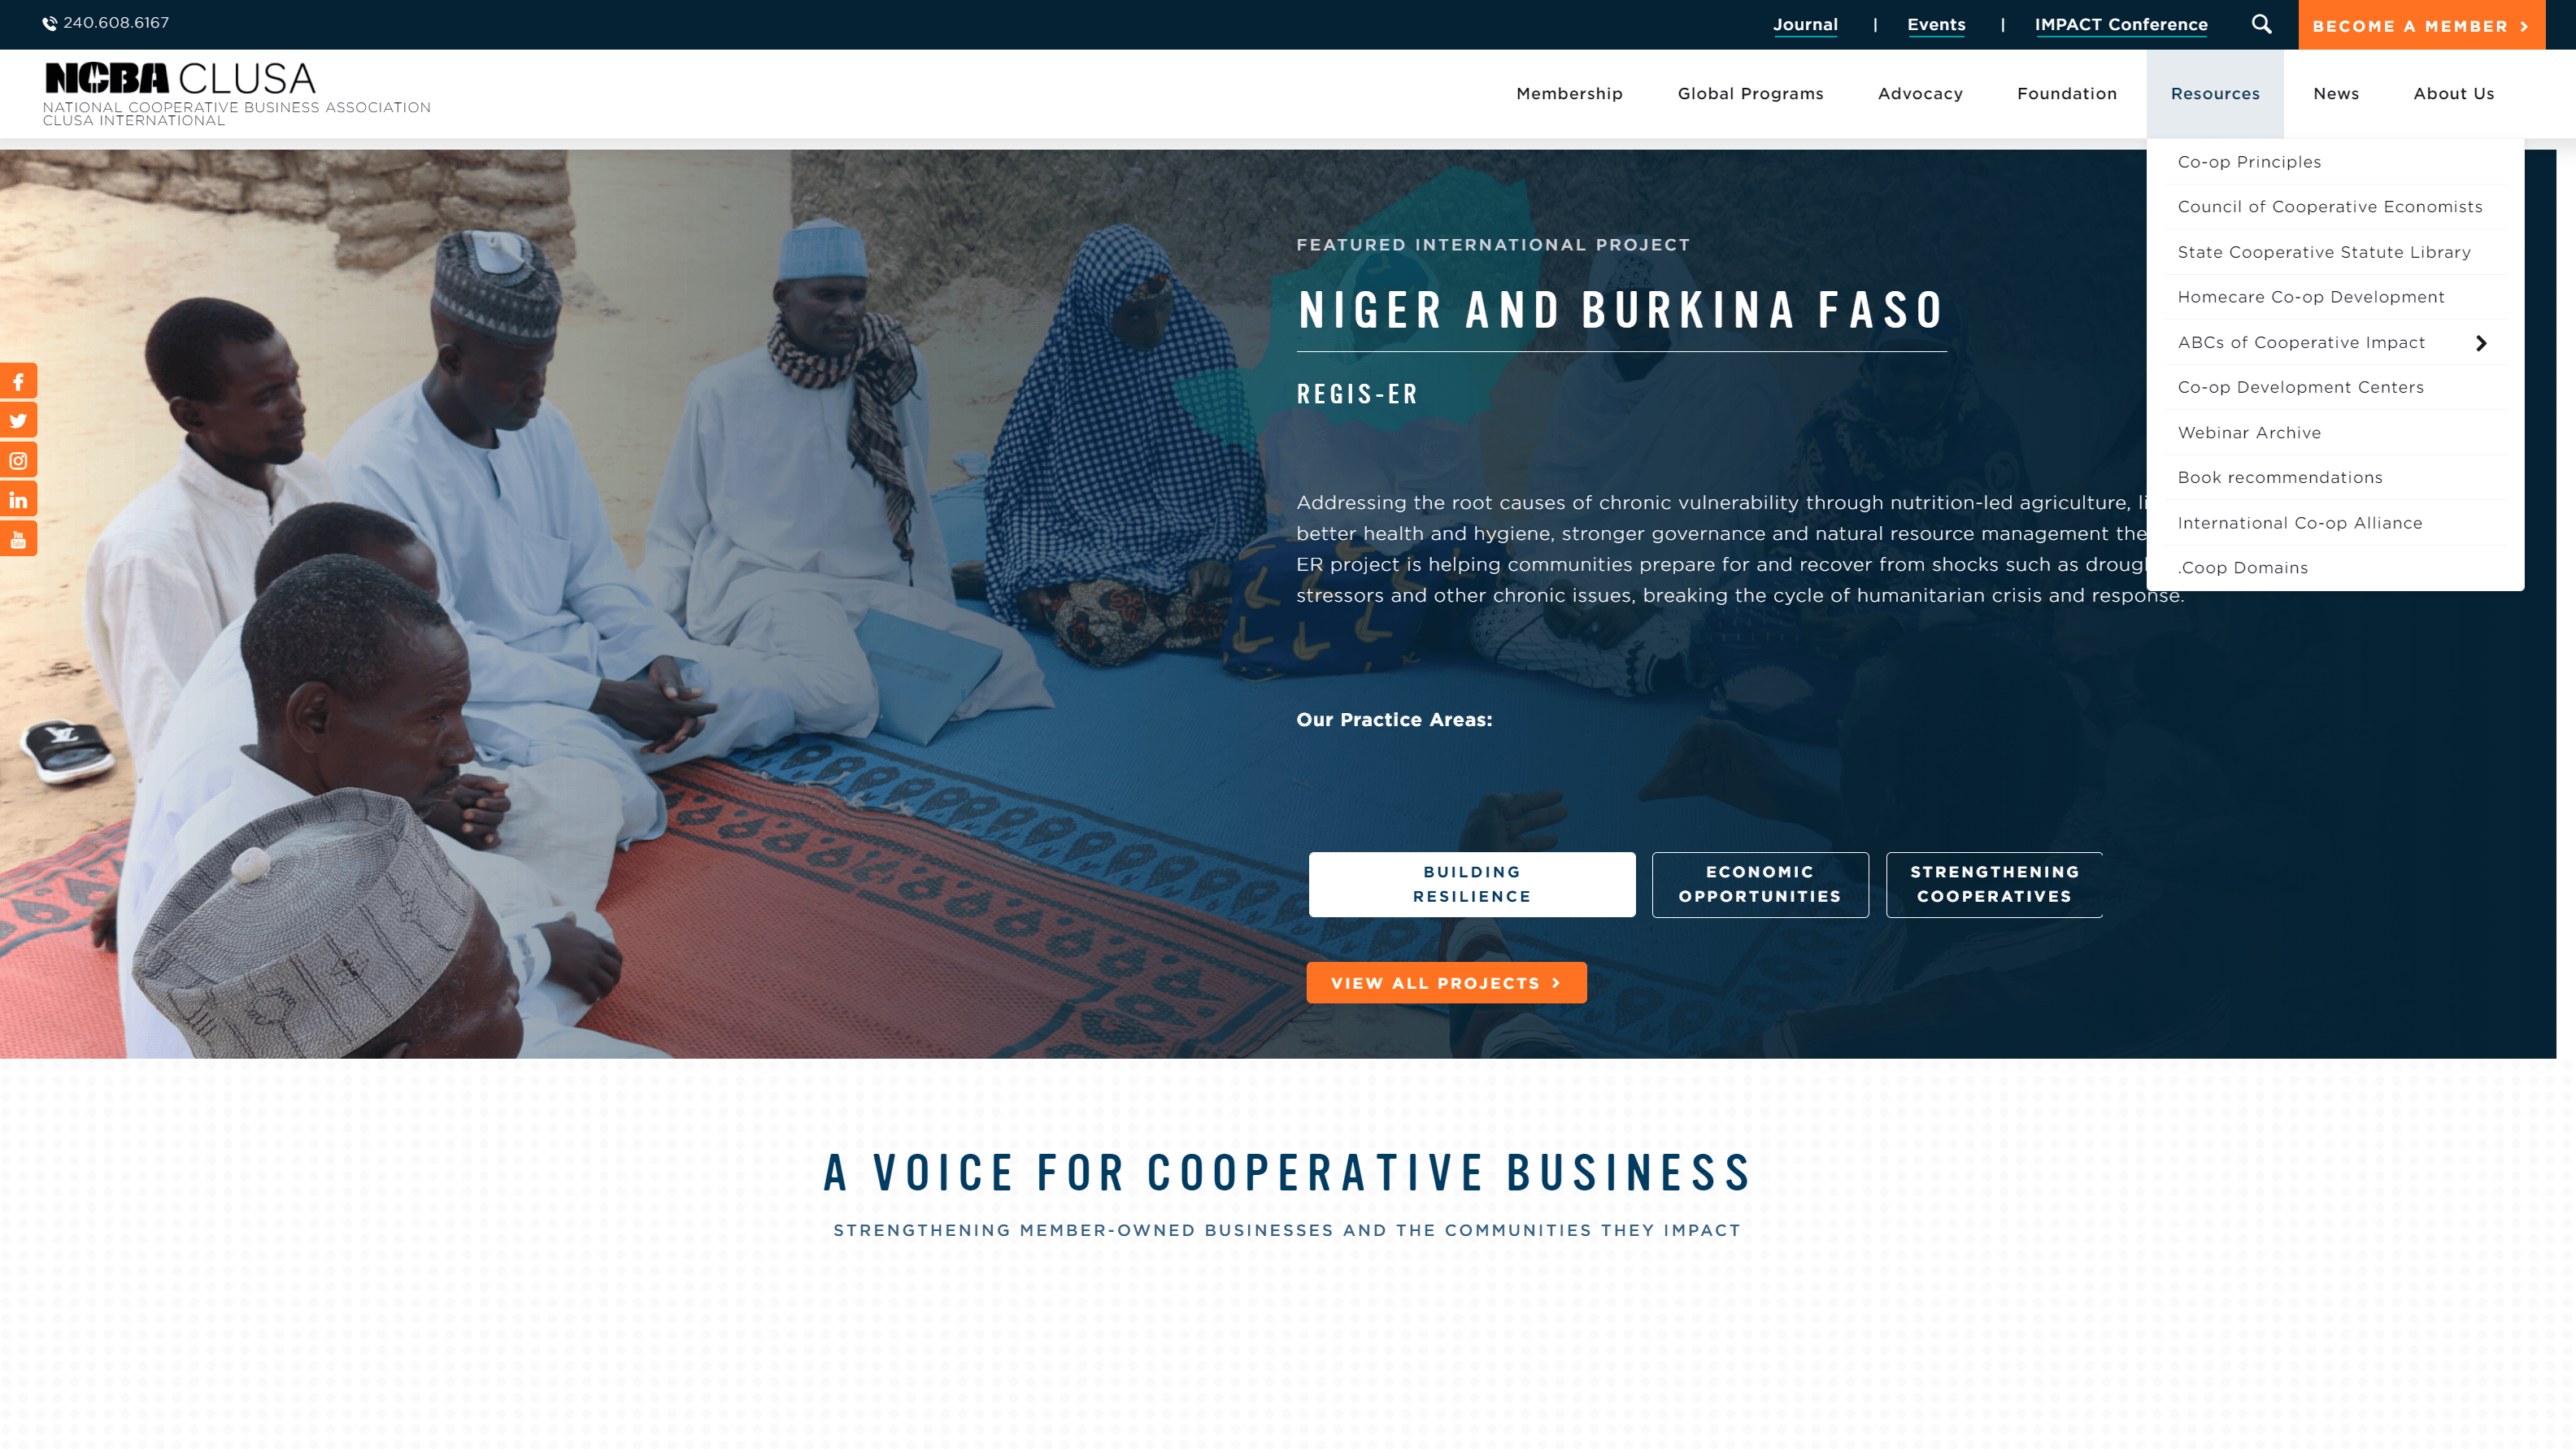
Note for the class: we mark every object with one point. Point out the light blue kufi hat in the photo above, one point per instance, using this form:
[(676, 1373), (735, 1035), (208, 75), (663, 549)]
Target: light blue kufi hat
[(822, 248)]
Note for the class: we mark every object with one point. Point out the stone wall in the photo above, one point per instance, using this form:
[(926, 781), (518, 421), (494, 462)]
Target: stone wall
[(385, 206)]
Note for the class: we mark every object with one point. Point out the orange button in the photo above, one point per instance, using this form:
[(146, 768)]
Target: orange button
[(2389, 25), (1445, 983), (17, 419), (17, 499), (17, 460), (17, 381), (18, 538)]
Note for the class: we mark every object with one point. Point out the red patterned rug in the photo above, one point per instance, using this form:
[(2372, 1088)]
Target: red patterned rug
[(778, 921), (57, 995)]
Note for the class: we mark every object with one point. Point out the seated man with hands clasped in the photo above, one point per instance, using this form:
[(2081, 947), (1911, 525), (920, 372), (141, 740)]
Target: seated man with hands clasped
[(360, 680)]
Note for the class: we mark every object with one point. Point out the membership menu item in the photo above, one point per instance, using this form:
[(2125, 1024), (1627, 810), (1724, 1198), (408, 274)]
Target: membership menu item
[(2334, 365)]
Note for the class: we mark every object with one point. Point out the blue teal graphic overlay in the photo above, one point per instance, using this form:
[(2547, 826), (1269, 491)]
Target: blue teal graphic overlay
[(1446, 371)]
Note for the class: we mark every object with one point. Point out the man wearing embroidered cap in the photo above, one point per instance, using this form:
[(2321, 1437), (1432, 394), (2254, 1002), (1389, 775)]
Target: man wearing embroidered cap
[(330, 928), (570, 658), (796, 501), (358, 679)]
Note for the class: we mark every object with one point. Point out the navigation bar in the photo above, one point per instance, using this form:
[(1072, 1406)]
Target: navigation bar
[(123, 99), (2239, 25)]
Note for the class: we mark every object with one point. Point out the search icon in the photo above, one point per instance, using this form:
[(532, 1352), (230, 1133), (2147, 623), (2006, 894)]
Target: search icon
[(2263, 23)]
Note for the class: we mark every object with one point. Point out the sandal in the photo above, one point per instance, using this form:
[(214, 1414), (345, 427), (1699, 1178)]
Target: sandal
[(65, 752)]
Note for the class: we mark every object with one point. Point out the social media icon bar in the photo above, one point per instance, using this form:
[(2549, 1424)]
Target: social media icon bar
[(17, 459)]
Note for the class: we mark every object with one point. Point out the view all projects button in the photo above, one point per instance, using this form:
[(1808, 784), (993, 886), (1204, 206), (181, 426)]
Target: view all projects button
[(1446, 983), (1364, 883)]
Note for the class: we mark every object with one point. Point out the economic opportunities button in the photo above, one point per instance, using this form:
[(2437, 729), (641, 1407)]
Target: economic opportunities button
[(1446, 983), (1737, 884), (1358, 884)]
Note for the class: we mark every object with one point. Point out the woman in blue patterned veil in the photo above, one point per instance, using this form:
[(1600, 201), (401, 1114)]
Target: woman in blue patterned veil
[(1111, 511)]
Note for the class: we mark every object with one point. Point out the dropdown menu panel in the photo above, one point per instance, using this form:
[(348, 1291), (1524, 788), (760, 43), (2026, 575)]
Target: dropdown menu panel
[(2335, 365)]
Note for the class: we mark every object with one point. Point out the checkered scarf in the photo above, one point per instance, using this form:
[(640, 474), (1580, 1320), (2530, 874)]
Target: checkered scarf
[(883, 364)]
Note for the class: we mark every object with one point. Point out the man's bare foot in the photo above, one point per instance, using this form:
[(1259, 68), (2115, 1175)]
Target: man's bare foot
[(1041, 604), (102, 922)]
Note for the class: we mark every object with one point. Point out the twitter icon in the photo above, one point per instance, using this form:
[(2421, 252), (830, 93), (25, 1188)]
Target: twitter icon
[(20, 420)]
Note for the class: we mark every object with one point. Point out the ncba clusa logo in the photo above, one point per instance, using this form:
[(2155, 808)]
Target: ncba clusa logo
[(196, 78)]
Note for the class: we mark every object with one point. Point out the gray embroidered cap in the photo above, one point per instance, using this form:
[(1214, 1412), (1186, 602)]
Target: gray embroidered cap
[(306, 932), (497, 283)]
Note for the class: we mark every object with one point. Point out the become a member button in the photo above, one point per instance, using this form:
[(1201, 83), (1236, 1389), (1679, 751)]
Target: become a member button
[(2389, 25), (1446, 983)]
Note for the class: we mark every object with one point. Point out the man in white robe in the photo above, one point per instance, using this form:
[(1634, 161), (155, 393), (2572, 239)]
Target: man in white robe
[(570, 657), (561, 817), (796, 500), (174, 566), (368, 679)]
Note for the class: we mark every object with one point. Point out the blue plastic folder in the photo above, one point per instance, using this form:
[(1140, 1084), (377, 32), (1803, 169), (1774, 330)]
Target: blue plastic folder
[(923, 674)]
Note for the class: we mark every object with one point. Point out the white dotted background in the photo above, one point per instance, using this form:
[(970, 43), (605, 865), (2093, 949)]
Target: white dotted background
[(641, 1253)]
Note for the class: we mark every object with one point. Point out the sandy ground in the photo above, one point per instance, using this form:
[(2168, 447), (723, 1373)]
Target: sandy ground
[(677, 253)]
